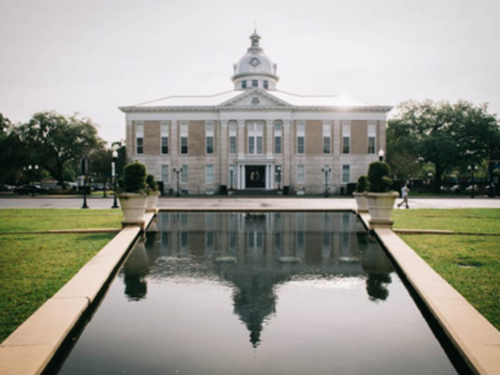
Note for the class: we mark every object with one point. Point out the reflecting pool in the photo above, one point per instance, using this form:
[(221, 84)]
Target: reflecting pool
[(257, 293)]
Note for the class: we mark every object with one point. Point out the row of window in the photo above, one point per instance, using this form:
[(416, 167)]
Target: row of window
[(255, 83), (255, 138), (210, 176)]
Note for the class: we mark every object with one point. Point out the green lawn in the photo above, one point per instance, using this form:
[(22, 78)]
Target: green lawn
[(18, 220), (477, 220), (34, 267), (471, 264)]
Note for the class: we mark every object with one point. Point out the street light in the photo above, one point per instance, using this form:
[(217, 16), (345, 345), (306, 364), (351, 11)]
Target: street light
[(113, 175), (326, 171), (278, 172), (231, 172), (471, 171), (31, 175), (430, 179), (85, 170), (178, 170), (381, 154)]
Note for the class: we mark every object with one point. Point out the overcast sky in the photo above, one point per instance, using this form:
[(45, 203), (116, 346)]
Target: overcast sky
[(92, 56)]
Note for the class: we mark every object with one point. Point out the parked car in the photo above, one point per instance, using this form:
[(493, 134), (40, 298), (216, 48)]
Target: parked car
[(4, 187), (30, 189), (469, 188), (456, 189)]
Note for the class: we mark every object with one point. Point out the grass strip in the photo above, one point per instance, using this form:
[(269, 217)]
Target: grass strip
[(471, 264), (480, 220), (34, 268), (25, 220)]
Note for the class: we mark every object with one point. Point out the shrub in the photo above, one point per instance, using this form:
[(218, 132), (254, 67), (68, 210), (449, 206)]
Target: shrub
[(151, 182), (362, 184), (378, 177), (134, 178)]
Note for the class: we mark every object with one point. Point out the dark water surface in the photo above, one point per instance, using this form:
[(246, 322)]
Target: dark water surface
[(274, 293)]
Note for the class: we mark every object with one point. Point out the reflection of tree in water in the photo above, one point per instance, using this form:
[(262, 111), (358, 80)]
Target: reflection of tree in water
[(376, 286), (135, 271), (378, 268)]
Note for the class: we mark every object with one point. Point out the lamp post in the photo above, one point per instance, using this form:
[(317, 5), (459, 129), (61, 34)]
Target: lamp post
[(31, 175), (326, 171), (178, 170), (113, 176), (471, 171), (430, 179), (278, 172), (381, 154), (84, 170), (231, 172)]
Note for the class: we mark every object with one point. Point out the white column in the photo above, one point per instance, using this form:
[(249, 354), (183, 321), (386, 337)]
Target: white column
[(241, 139), (269, 138), (287, 148), (223, 153)]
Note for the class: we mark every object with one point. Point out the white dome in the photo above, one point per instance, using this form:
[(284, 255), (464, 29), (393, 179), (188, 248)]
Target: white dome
[(255, 65)]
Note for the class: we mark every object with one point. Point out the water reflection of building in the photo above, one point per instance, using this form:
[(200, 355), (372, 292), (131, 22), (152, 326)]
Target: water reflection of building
[(327, 245)]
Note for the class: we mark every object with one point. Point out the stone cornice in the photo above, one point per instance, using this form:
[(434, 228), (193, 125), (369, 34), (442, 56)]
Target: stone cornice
[(253, 108)]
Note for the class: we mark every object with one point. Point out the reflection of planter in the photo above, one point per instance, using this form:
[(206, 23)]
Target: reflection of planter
[(133, 207), (152, 201), (380, 206), (361, 202)]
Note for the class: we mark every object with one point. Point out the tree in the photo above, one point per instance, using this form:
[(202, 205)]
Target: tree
[(13, 156), (55, 140), (447, 135), (100, 164)]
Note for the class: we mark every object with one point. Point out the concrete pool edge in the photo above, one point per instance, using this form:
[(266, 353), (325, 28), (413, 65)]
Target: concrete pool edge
[(476, 339), (30, 348)]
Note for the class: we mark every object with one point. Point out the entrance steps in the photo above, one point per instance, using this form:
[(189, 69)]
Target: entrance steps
[(255, 193)]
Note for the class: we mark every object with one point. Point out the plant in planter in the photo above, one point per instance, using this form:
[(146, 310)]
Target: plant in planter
[(380, 197), (153, 193), (134, 195), (360, 194)]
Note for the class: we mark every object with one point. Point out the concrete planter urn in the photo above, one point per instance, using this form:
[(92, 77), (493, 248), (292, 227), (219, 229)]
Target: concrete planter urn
[(152, 201), (361, 201), (133, 207), (380, 206)]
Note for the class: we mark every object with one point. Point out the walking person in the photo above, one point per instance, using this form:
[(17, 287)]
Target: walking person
[(404, 195)]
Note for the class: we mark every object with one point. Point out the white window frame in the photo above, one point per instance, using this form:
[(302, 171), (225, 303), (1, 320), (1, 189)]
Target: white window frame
[(372, 134), (209, 137), (165, 130), (256, 139), (278, 135), (233, 140), (165, 173), (184, 134), (327, 133), (184, 178), (346, 134), (209, 174), (345, 168), (301, 134), (139, 136), (301, 174)]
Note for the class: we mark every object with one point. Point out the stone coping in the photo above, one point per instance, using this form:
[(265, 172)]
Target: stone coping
[(32, 345), (475, 338)]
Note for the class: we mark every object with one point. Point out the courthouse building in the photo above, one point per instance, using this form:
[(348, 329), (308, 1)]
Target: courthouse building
[(255, 136)]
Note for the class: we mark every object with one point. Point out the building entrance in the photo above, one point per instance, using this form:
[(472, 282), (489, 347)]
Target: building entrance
[(255, 176)]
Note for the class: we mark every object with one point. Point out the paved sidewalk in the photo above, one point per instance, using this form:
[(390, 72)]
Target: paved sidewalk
[(252, 203)]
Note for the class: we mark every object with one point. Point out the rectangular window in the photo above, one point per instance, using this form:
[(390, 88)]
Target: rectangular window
[(255, 138), (277, 138), (164, 137), (301, 138), (184, 139), (165, 173), (327, 174), (346, 138), (346, 174), (243, 84), (209, 174), (277, 173), (301, 176), (184, 174), (372, 136), (255, 83), (139, 138), (232, 138), (327, 137), (209, 134), (266, 84)]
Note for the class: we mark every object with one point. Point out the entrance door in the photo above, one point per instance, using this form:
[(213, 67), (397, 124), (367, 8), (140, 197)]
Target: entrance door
[(255, 176)]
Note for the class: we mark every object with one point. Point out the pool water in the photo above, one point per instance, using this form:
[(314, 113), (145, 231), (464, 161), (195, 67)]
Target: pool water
[(257, 293)]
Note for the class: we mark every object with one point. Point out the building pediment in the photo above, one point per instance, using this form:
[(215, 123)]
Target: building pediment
[(254, 98)]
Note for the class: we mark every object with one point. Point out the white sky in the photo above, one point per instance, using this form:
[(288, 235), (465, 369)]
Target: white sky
[(91, 56)]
